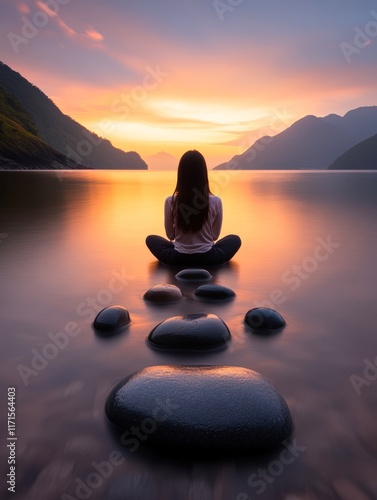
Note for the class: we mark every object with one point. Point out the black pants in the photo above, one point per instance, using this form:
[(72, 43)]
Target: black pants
[(221, 252)]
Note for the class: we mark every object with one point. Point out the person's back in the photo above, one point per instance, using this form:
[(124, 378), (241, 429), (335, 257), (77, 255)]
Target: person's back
[(202, 240), (193, 219)]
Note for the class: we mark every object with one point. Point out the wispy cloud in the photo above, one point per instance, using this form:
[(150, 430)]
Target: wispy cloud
[(23, 8), (225, 78), (45, 8), (67, 30), (94, 35)]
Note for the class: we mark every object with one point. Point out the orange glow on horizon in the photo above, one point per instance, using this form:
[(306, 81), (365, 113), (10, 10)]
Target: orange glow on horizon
[(221, 115), (251, 204), (164, 86)]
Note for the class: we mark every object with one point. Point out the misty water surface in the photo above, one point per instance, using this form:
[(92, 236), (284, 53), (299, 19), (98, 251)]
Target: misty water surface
[(73, 243)]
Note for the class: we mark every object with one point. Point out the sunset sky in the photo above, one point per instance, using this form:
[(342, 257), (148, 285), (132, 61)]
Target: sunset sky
[(213, 75)]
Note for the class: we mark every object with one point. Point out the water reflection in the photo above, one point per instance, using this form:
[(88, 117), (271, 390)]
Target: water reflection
[(69, 238)]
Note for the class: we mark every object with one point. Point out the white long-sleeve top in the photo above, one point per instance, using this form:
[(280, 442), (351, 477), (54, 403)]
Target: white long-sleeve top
[(203, 240)]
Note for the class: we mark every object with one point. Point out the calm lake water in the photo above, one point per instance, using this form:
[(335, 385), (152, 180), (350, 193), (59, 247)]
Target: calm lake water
[(72, 243)]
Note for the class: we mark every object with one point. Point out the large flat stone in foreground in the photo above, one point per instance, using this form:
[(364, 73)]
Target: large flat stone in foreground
[(211, 408)]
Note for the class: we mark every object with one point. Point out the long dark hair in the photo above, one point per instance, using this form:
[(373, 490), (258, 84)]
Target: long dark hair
[(191, 194)]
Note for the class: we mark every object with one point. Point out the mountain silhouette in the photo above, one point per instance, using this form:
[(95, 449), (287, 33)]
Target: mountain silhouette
[(64, 134), (363, 156), (162, 161), (310, 143), (20, 148)]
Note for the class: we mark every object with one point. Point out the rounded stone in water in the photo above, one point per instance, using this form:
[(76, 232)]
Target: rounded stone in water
[(193, 331), (111, 318), (214, 292), (202, 408), (264, 319), (194, 275), (163, 292)]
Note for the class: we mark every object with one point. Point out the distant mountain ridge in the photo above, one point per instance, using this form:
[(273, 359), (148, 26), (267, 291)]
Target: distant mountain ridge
[(309, 143), (62, 133), (162, 161), (363, 156)]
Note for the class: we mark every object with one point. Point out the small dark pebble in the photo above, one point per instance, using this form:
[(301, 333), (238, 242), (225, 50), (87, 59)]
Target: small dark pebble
[(111, 318), (214, 292), (194, 275), (264, 319), (163, 293)]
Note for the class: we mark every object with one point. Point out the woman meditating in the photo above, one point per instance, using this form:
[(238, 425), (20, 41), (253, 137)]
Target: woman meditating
[(193, 219)]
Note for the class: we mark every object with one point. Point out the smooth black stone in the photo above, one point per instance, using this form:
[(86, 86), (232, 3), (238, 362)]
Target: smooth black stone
[(194, 331), (163, 293), (111, 318), (209, 408), (214, 292), (264, 319), (194, 275)]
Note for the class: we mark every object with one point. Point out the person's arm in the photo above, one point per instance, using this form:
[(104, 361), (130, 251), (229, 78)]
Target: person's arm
[(217, 223), (169, 223)]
